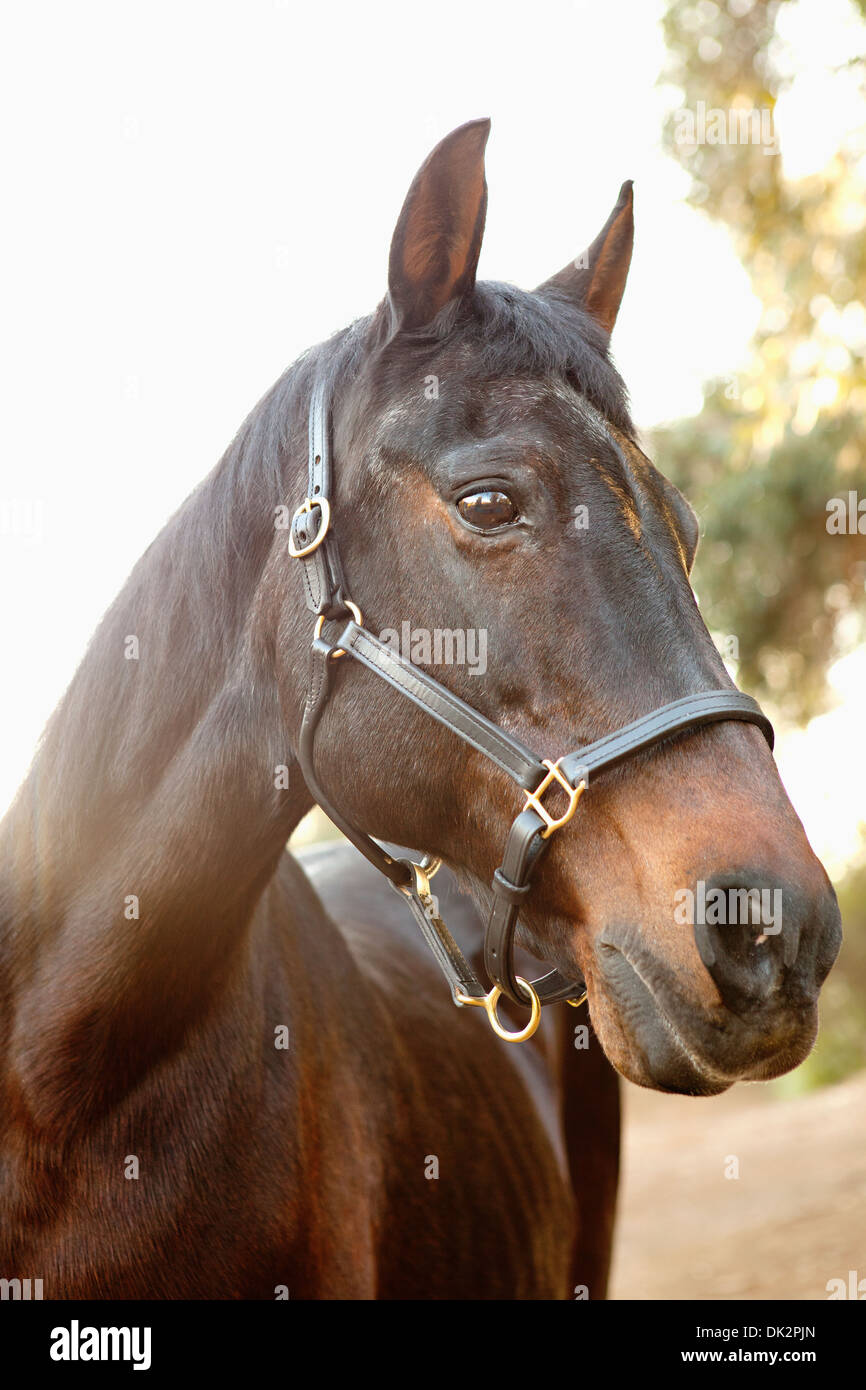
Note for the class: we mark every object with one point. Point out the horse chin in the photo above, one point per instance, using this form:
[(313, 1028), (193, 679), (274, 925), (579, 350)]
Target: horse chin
[(651, 1047), (654, 1057)]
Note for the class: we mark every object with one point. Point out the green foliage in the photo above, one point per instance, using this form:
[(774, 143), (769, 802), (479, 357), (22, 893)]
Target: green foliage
[(768, 571)]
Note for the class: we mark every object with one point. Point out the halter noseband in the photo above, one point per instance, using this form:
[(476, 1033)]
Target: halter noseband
[(312, 542)]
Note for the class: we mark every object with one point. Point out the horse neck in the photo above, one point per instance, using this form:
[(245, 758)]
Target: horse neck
[(165, 773)]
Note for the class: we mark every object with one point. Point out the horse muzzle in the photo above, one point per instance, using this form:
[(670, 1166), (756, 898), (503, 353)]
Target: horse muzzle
[(663, 1034)]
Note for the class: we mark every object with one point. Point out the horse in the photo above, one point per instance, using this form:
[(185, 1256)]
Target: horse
[(232, 1073)]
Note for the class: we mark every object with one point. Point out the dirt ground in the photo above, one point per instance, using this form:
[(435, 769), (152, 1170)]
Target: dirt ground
[(793, 1219)]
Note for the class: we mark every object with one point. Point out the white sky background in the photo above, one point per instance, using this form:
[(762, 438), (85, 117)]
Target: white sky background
[(194, 192)]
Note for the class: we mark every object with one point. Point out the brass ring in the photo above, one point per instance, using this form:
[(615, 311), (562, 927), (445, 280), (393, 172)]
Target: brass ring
[(489, 1002), (320, 623), (534, 1018)]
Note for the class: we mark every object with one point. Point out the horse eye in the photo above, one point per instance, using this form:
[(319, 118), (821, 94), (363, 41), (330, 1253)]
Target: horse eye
[(487, 510)]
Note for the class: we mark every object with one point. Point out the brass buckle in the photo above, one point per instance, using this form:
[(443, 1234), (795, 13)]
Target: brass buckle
[(307, 506), (320, 623), (574, 795)]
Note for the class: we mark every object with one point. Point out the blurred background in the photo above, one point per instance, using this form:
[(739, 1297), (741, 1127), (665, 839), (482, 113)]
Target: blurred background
[(197, 192)]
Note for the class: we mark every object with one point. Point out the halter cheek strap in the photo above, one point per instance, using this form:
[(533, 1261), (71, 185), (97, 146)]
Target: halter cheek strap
[(313, 544)]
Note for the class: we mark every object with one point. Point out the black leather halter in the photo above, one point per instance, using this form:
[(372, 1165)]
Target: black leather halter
[(313, 543)]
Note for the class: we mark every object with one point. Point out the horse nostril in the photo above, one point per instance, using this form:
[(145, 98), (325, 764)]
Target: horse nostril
[(745, 937)]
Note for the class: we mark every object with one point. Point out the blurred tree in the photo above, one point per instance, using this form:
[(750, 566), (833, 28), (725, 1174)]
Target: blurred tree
[(775, 443)]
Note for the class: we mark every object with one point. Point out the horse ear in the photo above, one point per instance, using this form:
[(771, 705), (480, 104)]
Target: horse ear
[(596, 280), (437, 240)]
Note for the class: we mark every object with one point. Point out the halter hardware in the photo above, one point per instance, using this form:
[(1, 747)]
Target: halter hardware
[(324, 593), (533, 799), (305, 509), (320, 623), (489, 1002), (423, 873)]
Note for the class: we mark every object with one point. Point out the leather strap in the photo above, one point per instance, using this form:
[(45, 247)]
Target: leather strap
[(523, 849), (319, 688), (691, 712), (451, 960), (322, 570), (507, 752)]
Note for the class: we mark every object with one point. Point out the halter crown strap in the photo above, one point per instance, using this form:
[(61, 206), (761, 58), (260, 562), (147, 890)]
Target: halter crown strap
[(313, 543), (311, 539)]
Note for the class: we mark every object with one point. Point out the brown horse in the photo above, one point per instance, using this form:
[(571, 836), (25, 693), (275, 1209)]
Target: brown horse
[(223, 1080)]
